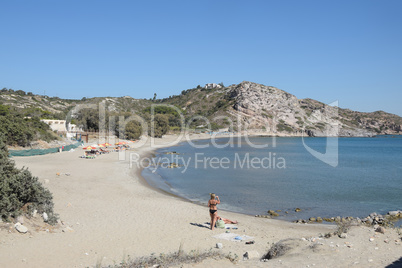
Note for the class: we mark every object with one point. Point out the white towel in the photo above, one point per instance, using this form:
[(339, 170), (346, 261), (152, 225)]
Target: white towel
[(231, 237)]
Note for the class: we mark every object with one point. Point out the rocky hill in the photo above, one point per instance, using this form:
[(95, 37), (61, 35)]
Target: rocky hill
[(271, 111), (246, 106)]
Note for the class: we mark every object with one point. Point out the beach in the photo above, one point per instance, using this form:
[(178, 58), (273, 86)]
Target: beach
[(108, 213)]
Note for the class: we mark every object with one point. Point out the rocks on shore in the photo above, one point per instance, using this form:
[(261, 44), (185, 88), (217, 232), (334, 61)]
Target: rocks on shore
[(173, 152), (21, 228), (372, 219), (273, 213), (173, 165)]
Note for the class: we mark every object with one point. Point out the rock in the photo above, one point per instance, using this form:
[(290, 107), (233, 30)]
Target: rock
[(21, 228), (380, 230), (297, 210), (393, 213), (34, 213), (273, 213), (371, 239), (219, 245), (251, 255), (45, 216), (319, 219), (312, 219), (343, 236)]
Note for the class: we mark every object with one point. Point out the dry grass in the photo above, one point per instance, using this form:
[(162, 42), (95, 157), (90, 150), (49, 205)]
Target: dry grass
[(172, 259)]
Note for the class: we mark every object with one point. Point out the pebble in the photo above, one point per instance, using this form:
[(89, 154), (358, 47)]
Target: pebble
[(371, 239), (21, 228), (219, 245), (45, 216), (343, 235)]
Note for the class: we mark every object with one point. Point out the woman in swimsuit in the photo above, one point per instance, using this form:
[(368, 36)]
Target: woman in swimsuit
[(213, 210)]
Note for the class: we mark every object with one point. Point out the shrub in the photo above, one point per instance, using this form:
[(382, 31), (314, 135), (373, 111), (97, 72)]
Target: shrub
[(176, 259), (19, 188), (21, 131), (133, 130)]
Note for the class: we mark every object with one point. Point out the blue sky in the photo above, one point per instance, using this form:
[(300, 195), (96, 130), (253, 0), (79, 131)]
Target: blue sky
[(350, 51)]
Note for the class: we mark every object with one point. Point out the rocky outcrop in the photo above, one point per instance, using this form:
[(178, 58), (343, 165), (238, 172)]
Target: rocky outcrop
[(278, 112)]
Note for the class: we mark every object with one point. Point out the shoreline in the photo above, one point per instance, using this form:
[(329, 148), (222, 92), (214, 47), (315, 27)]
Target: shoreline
[(108, 211), (152, 152)]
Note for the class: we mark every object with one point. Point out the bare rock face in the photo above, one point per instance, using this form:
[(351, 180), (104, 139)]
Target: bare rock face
[(278, 112)]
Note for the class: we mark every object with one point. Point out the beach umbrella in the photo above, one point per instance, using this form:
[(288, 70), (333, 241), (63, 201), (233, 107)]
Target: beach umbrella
[(120, 143), (101, 145), (107, 144), (89, 148)]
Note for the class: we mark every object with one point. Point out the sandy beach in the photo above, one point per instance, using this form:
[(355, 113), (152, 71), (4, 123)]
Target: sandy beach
[(108, 214)]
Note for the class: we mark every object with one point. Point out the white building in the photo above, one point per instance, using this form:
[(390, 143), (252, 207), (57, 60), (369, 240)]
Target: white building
[(60, 125), (212, 85)]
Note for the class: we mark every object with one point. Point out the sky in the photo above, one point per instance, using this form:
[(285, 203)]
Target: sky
[(346, 51)]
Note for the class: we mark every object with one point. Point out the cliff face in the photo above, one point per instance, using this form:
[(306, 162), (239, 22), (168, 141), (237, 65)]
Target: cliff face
[(278, 112)]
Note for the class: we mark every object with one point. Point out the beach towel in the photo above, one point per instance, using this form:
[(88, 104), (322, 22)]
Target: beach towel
[(233, 237)]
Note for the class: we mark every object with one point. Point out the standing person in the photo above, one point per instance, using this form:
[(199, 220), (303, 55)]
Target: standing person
[(213, 210)]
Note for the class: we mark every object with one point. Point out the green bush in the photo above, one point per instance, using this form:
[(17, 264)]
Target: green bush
[(133, 130), (20, 130), (18, 188), (283, 127), (160, 125)]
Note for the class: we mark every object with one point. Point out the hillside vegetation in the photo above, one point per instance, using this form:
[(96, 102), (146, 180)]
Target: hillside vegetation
[(244, 107)]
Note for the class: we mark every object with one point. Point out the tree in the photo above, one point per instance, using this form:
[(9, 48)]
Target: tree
[(154, 97), (133, 130), (20, 92), (160, 124), (88, 119)]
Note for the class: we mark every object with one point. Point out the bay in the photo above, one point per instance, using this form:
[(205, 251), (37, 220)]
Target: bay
[(285, 175)]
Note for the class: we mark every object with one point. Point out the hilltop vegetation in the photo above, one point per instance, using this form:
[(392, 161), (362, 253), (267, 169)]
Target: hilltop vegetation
[(246, 106)]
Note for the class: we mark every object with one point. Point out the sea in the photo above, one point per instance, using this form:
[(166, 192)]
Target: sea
[(325, 177)]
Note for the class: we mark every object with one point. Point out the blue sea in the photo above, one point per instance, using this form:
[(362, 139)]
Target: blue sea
[(364, 175)]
